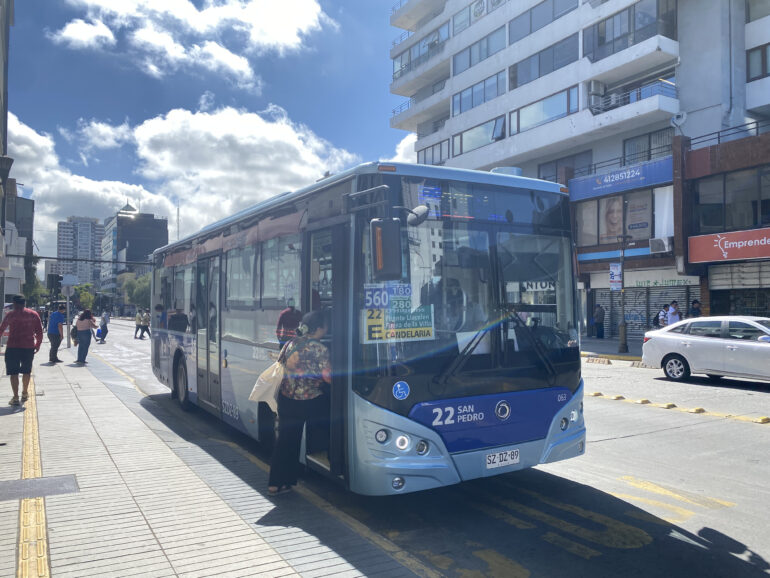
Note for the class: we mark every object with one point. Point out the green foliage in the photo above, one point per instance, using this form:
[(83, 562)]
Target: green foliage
[(35, 292), (141, 293), (84, 296)]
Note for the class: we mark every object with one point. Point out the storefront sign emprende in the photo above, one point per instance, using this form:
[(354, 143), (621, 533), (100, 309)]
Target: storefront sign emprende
[(735, 246)]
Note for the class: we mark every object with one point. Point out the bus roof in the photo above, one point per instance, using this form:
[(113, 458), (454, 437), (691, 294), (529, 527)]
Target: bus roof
[(388, 168)]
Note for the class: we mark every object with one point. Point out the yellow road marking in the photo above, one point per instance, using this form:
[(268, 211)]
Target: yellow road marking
[(33, 536), (615, 534), (392, 549), (570, 546), (499, 565), (705, 502), (121, 372), (682, 513), (694, 410)]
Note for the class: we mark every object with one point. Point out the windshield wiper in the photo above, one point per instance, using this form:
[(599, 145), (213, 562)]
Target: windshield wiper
[(458, 362), (536, 345)]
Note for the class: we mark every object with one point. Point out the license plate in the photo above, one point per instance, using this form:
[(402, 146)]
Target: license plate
[(502, 459)]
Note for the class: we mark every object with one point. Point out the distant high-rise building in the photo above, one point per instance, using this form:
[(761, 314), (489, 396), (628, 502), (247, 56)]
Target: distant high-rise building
[(80, 238), (133, 234)]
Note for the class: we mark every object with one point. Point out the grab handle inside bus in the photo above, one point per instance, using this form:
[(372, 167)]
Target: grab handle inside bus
[(385, 249)]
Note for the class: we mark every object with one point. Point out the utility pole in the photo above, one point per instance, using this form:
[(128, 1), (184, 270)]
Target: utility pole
[(622, 329)]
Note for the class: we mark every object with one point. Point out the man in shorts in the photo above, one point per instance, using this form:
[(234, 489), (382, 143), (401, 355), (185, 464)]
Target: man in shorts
[(26, 335)]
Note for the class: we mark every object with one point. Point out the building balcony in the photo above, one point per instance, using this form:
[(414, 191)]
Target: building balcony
[(412, 113), (758, 96), (425, 70), (407, 14), (570, 131), (651, 54)]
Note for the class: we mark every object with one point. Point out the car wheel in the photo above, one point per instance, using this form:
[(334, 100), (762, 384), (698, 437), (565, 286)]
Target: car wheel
[(676, 368), (714, 377), (181, 385)]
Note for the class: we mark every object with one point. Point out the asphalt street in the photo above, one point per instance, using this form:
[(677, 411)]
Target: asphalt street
[(674, 486)]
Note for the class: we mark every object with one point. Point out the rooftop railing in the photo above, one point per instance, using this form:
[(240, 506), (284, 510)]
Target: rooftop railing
[(398, 5), (755, 128)]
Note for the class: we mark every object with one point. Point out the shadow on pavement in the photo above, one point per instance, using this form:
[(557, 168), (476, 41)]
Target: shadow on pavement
[(528, 523), (739, 384)]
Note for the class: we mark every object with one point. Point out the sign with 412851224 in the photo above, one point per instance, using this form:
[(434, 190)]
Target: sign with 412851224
[(735, 246)]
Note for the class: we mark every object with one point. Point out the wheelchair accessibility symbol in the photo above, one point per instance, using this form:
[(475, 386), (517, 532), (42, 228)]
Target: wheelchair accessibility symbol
[(401, 390)]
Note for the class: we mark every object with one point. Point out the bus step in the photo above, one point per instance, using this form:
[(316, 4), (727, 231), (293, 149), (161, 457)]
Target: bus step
[(320, 459)]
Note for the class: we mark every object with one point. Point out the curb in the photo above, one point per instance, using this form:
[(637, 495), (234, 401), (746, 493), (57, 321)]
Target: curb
[(591, 355)]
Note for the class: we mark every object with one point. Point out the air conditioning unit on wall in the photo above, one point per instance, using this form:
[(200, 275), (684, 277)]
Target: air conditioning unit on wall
[(661, 245)]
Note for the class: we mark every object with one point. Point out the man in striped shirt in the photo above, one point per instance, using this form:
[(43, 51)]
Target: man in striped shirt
[(26, 335)]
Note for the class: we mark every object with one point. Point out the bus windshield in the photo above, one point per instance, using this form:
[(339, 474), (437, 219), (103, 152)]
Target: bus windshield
[(468, 270)]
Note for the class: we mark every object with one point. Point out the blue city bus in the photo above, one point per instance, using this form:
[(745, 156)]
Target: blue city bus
[(451, 297)]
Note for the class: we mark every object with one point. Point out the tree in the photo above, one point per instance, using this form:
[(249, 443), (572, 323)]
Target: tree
[(35, 292), (84, 295), (141, 293)]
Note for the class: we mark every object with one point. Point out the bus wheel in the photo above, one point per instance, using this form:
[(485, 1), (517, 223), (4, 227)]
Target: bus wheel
[(181, 384), (266, 421)]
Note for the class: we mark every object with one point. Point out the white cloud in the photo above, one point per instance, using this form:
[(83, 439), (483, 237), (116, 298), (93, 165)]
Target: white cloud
[(404, 150), (171, 35), (101, 135), (81, 34), (214, 162), (206, 101)]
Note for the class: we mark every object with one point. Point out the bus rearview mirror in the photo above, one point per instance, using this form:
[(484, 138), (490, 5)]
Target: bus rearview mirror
[(385, 249)]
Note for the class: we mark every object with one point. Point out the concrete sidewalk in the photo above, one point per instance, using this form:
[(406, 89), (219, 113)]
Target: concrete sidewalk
[(608, 348), (152, 497)]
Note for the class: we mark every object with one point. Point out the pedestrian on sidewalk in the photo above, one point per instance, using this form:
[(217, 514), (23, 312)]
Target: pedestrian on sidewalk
[(24, 339), (674, 314), (56, 323), (103, 323), (85, 325), (663, 316), (145, 327), (138, 322), (302, 398), (695, 310), (599, 321)]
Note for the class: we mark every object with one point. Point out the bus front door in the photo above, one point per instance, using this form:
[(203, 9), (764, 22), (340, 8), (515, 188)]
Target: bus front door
[(207, 337), (326, 290)]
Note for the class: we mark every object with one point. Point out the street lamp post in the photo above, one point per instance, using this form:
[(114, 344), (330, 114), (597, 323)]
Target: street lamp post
[(622, 329)]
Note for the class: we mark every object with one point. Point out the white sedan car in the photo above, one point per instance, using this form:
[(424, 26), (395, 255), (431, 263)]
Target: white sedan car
[(737, 346)]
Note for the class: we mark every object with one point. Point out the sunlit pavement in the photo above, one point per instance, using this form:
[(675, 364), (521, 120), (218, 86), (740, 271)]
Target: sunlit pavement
[(661, 491)]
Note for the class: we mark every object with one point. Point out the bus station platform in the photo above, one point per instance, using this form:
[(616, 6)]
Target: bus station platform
[(99, 479)]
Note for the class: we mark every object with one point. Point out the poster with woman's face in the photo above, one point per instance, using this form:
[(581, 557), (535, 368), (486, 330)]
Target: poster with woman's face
[(610, 219)]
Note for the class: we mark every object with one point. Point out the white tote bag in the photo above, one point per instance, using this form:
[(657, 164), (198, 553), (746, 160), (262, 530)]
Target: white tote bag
[(268, 385)]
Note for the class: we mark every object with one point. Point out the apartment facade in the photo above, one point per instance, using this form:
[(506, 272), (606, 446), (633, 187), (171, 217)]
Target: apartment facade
[(80, 238), (593, 94)]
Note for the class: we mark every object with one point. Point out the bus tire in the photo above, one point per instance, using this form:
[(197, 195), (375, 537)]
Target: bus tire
[(180, 384), (266, 421)]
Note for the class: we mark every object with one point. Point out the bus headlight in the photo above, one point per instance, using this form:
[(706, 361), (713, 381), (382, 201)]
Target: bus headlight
[(381, 436), (563, 423), (573, 415), (398, 483), (402, 442), (421, 448)]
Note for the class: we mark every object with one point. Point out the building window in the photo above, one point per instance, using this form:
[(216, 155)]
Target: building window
[(543, 111), (756, 9), (434, 155), (421, 52), (758, 62), (580, 163), (479, 93), (478, 51), (732, 201), (633, 25), (603, 221), (646, 147), (479, 136), (537, 17), (544, 62)]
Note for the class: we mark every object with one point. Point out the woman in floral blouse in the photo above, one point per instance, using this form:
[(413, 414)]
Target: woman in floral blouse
[(302, 398)]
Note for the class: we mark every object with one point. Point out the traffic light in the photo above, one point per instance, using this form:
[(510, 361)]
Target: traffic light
[(57, 279)]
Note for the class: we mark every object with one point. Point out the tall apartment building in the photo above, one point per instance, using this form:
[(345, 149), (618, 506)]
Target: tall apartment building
[(595, 94), (129, 236), (80, 238)]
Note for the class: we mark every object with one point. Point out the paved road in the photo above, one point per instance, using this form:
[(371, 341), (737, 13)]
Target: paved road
[(660, 492)]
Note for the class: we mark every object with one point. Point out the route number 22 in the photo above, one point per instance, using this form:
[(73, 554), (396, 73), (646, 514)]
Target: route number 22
[(441, 418)]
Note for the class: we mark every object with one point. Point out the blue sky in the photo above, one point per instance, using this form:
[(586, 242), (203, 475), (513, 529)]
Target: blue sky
[(214, 104)]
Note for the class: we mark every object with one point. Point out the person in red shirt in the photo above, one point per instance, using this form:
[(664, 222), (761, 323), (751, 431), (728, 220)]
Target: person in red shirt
[(288, 321), (26, 335)]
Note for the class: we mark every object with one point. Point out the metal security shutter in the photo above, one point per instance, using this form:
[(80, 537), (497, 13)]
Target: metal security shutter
[(752, 275), (641, 305)]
